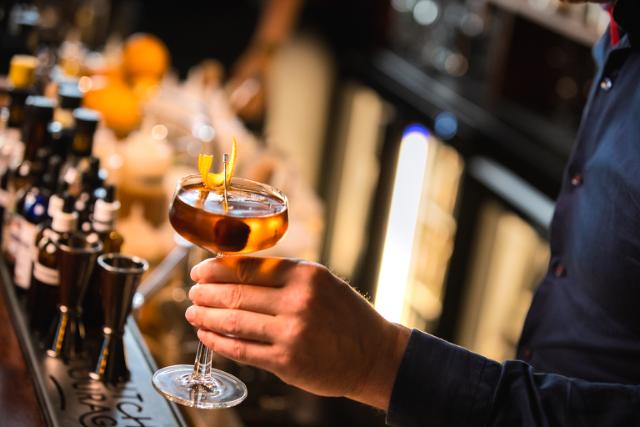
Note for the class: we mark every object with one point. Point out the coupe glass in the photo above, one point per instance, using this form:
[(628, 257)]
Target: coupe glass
[(253, 217)]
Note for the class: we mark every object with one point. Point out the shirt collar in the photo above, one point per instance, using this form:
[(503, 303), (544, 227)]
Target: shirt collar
[(627, 15)]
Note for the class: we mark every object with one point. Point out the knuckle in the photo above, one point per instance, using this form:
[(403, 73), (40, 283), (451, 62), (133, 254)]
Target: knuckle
[(297, 330), (238, 350), (233, 297), (284, 358), (232, 323), (305, 296)]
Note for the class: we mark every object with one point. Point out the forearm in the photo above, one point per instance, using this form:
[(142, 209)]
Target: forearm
[(277, 22)]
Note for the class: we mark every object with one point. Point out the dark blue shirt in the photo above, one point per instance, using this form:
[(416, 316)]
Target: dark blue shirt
[(580, 346)]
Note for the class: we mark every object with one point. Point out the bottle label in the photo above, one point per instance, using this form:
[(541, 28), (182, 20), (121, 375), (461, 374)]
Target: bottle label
[(25, 254), (46, 275)]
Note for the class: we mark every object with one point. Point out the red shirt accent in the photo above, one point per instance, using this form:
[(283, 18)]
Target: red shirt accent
[(614, 31)]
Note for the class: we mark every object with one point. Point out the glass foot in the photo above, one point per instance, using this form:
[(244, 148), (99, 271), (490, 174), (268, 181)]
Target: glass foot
[(174, 383)]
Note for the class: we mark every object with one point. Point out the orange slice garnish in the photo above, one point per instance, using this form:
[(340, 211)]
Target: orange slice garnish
[(215, 180)]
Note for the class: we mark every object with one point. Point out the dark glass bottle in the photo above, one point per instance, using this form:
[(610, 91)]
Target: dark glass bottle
[(45, 281), (33, 213), (21, 86), (86, 123), (62, 128), (103, 228), (103, 221), (39, 112)]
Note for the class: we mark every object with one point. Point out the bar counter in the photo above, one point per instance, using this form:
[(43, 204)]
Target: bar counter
[(36, 390)]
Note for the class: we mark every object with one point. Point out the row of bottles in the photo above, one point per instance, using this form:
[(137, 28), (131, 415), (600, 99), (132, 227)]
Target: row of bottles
[(51, 187)]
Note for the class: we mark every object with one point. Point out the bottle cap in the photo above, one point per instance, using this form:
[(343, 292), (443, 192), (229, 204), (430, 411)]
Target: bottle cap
[(22, 70), (105, 212), (86, 123), (86, 120), (40, 108), (69, 97)]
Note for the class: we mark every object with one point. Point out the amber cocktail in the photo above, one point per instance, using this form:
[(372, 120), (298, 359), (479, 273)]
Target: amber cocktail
[(253, 218)]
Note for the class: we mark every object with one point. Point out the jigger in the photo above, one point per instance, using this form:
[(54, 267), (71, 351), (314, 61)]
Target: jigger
[(119, 277), (77, 257)]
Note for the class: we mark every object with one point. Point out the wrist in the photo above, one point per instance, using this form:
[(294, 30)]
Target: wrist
[(380, 376)]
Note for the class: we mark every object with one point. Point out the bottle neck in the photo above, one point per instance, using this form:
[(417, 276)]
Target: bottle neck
[(64, 222), (82, 144), (35, 136)]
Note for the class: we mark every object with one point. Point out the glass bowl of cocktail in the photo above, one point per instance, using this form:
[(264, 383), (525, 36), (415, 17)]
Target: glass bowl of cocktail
[(224, 215)]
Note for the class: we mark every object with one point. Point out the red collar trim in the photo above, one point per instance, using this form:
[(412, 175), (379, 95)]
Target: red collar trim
[(614, 31)]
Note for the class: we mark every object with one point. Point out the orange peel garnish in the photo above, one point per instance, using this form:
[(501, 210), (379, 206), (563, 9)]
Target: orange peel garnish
[(215, 180)]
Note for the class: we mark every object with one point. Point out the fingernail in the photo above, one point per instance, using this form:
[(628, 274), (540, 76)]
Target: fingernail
[(190, 314), (194, 272), (192, 292)]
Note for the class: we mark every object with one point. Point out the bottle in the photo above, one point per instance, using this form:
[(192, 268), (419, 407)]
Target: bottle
[(62, 127), (39, 112), (32, 214), (69, 99), (21, 86), (103, 222), (51, 176), (86, 123), (21, 185), (45, 281)]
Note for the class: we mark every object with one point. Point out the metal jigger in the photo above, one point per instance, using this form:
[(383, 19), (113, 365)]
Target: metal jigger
[(77, 257), (119, 277)]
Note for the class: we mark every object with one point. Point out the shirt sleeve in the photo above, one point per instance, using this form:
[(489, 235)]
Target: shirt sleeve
[(441, 384)]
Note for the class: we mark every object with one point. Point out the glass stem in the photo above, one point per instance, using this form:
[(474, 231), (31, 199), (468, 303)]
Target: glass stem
[(202, 366)]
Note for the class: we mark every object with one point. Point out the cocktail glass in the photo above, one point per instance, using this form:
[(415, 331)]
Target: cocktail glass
[(246, 217)]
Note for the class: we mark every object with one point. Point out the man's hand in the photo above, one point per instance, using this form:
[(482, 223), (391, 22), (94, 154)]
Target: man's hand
[(299, 321)]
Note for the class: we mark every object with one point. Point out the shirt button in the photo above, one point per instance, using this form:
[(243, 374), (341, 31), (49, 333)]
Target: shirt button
[(560, 271), (576, 180), (606, 84), (526, 354)]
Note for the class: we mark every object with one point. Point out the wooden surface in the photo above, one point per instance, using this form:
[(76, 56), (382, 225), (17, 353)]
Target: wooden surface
[(18, 403)]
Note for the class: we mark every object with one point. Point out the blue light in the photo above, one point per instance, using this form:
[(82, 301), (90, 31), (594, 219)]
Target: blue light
[(446, 125), (415, 128)]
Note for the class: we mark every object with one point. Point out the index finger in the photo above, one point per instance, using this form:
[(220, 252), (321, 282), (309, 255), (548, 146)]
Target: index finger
[(264, 271)]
